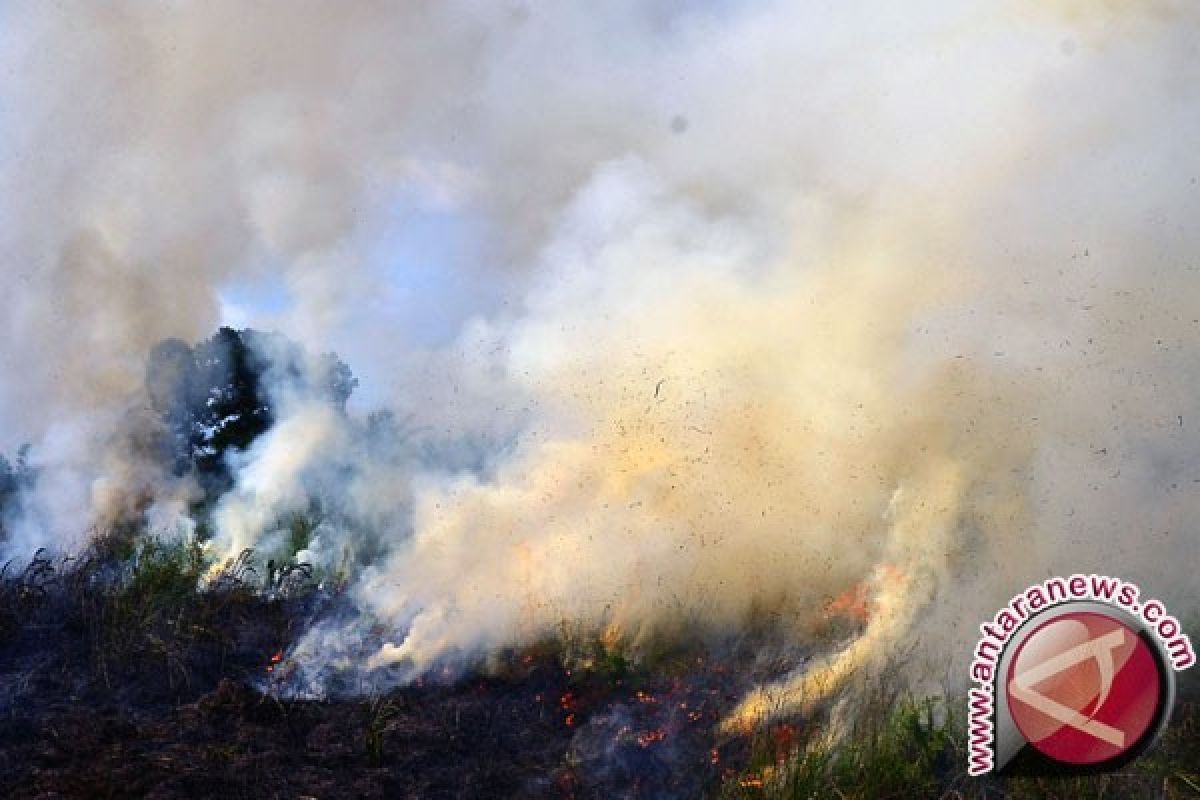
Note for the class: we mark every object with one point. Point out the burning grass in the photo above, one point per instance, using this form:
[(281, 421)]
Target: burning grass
[(118, 677), (900, 746)]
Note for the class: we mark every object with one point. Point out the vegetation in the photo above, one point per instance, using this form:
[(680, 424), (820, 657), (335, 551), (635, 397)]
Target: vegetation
[(220, 395), (139, 667), (15, 478), (120, 677), (899, 746)]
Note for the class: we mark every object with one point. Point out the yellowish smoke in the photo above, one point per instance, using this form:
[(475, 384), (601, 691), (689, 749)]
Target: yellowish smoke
[(715, 444)]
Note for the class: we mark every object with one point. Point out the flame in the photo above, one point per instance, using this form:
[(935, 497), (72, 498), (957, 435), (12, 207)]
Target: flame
[(611, 637), (851, 603), (860, 600), (922, 524)]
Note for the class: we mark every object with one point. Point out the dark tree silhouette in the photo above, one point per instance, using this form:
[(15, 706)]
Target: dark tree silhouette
[(14, 479), (221, 395)]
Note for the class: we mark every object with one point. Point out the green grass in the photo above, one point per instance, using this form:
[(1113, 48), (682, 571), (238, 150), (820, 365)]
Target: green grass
[(900, 746), (379, 711), (143, 612), (895, 748), (149, 615)]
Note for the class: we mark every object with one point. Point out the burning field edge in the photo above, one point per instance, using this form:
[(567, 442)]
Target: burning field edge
[(119, 678)]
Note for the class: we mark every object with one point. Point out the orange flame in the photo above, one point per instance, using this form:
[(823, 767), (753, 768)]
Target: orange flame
[(856, 602)]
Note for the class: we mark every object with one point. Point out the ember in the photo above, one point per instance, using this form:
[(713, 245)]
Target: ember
[(783, 738), (650, 737)]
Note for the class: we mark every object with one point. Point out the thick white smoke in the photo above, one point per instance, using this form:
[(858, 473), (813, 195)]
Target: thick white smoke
[(761, 301)]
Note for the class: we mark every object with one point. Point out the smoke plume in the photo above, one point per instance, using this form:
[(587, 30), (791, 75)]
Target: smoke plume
[(691, 313)]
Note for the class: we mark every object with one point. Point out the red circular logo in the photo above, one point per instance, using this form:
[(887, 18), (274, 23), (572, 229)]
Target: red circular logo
[(1084, 688)]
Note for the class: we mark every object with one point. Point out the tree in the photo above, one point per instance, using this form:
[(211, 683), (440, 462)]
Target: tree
[(220, 395), (14, 479)]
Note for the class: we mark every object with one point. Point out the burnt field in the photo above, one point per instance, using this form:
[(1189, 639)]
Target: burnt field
[(118, 678), (123, 680)]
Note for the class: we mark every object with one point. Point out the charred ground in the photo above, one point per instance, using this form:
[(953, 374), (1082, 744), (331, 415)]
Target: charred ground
[(118, 678)]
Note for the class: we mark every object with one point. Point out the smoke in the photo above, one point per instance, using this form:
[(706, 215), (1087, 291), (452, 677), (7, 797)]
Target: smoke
[(696, 313)]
